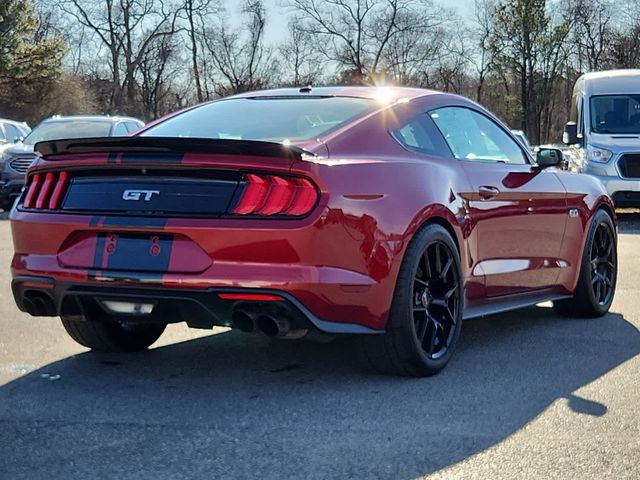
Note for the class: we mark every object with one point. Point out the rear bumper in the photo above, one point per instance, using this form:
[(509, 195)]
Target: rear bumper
[(199, 308)]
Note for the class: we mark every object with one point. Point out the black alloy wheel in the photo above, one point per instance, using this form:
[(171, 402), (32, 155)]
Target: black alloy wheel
[(603, 268), (598, 272), (426, 312), (436, 292)]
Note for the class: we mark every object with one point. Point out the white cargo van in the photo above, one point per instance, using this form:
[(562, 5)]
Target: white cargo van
[(605, 126)]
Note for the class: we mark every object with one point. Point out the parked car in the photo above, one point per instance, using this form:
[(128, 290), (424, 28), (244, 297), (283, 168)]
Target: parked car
[(11, 132), (520, 135), (389, 214), (605, 127), (16, 159)]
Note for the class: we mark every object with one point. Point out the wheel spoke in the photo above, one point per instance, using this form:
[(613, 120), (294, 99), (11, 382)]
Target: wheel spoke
[(423, 328), (438, 258), (445, 270), (420, 281), (432, 338), (427, 264)]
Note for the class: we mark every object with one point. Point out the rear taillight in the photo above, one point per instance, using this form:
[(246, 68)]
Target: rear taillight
[(46, 191), (266, 195)]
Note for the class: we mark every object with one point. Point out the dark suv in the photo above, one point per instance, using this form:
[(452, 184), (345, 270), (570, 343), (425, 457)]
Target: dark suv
[(15, 160)]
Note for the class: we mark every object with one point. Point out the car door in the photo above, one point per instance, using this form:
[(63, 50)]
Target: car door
[(519, 210)]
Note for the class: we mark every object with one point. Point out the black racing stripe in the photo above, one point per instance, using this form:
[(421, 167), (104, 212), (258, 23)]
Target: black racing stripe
[(164, 157), (94, 220), (150, 253), (99, 252), (136, 222)]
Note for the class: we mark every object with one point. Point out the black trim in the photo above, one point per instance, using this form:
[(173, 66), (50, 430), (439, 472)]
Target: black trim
[(626, 198), (129, 145), (200, 308)]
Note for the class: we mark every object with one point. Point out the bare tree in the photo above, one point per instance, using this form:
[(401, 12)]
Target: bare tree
[(420, 45), (593, 32), (127, 30), (361, 36), (196, 14), (239, 57), (479, 57), (301, 56)]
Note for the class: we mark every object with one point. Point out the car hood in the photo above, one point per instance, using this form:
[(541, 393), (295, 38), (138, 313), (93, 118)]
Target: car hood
[(617, 142), (19, 149)]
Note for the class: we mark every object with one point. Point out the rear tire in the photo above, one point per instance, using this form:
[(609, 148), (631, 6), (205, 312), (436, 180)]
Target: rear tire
[(598, 272), (112, 334), (426, 312)]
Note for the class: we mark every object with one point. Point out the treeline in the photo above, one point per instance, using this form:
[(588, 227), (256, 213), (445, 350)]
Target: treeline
[(147, 58)]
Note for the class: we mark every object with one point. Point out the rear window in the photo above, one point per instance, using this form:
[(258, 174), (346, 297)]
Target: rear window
[(265, 118), (58, 130)]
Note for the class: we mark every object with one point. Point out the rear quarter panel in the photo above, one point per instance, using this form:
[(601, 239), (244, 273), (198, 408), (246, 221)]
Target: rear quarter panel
[(586, 194)]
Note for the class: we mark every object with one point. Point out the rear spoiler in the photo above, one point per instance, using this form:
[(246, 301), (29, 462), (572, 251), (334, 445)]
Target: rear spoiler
[(167, 145)]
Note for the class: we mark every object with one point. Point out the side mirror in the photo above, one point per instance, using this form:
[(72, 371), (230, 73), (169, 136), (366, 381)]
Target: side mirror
[(18, 139), (570, 135), (549, 157)]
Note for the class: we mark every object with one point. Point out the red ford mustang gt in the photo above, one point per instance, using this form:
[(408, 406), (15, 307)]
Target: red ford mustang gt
[(389, 213)]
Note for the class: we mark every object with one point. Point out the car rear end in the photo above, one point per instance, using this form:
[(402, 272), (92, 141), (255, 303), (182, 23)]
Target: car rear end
[(209, 232)]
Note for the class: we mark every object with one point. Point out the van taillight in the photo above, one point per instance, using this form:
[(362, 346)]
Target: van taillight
[(266, 195), (46, 191)]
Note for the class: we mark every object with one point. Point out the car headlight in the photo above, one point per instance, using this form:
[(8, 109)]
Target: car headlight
[(600, 155)]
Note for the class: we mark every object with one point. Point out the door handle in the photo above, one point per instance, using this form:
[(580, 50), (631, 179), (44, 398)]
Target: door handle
[(487, 193)]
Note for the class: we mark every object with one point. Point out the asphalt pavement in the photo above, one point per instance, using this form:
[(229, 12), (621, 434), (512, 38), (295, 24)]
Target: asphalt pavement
[(527, 395)]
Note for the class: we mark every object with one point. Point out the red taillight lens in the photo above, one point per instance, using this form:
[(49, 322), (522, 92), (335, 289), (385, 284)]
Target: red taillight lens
[(274, 195), (59, 190), (253, 196), (46, 191), (32, 192)]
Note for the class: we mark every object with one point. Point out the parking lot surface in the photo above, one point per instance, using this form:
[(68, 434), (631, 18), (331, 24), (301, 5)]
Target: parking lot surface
[(527, 395)]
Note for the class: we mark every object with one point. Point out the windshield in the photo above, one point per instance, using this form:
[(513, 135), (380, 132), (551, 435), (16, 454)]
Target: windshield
[(58, 130), (273, 119), (615, 113)]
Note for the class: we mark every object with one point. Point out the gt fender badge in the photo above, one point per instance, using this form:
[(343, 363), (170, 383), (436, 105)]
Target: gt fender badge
[(137, 195), (573, 212)]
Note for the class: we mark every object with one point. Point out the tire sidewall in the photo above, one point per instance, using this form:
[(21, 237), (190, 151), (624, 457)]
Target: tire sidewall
[(600, 218), (403, 301)]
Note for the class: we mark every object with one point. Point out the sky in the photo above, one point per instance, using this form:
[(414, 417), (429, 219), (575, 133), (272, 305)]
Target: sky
[(277, 16)]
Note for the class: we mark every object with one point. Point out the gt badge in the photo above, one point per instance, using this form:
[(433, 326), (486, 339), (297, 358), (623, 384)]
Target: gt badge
[(136, 195)]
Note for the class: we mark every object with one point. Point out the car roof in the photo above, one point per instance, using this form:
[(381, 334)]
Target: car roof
[(13, 122), (91, 118), (388, 93)]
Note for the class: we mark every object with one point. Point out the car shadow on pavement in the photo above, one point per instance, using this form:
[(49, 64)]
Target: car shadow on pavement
[(233, 405)]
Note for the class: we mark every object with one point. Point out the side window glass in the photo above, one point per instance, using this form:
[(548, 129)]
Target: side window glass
[(12, 133), (120, 130), (421, 134), (474, 137), (2, 137), (132, 126)]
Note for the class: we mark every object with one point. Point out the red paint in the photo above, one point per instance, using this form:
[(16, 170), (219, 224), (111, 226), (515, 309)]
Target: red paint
[(367, 197), (255, 297)]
